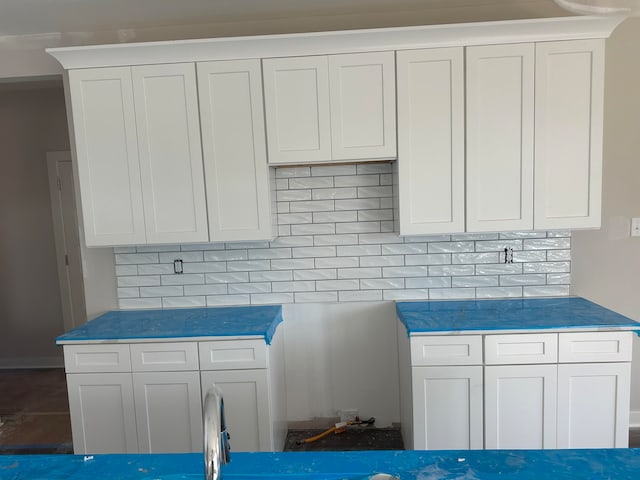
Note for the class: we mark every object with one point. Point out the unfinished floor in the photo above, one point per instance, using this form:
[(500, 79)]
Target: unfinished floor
[(34, 412)]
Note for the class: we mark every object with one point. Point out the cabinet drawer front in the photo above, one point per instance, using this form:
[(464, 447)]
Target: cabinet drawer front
[(521, 348), (163, 357), (595, 347), (233, 355), (446, 350), (97, 358)]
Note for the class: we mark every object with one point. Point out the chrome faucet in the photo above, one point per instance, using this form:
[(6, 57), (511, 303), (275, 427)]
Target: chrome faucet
[(216, 438)]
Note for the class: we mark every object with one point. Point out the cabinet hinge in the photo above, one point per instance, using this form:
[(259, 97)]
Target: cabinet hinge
[(59, 183)]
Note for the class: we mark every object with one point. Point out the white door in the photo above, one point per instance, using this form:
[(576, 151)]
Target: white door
[(447, 408), (296, 98), (246, 403), (234, 147), (568, 145), (166, 102), (168, 411), (500, 100), (363, 114), (520, 406), (593, 405), (431, 140), (66, 234), (103, 419), (106, 149)]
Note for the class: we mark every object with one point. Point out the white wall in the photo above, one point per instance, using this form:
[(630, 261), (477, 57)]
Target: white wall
[(32, 122), (342, 356), (606, 262)]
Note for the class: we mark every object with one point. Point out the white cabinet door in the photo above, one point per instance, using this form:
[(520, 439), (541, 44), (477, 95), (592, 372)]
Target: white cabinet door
[(296, 95), (500, 117), (102, 416), (593, 405), (431, 140), (520, 406), (568, 144), (166, 102), (168, 411), (363, 116), (106, 148), (447, 408), (247, 410), (330, 108), (234, 145)]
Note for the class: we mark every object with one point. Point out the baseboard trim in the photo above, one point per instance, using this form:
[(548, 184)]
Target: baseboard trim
[(634, 419), (31, 362)]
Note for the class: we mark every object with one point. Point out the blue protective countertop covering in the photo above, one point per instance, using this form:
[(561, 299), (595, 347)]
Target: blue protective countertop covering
[(504, 315), (619, 464), (258, 321)]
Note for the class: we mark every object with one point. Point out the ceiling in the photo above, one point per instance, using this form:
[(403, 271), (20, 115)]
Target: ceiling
[(38, 17)]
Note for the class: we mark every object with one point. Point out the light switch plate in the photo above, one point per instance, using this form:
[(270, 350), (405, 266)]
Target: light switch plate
[(635, 227)]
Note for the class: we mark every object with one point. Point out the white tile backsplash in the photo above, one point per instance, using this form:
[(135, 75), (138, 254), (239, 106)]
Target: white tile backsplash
[(336, 243)]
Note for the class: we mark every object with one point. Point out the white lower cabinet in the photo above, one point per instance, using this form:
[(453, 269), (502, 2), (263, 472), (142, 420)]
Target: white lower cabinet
[(593, 405), (448, 407), (533, 390), (148, 397), (520, 406), (168, 411), (246, 407), (102, 415)]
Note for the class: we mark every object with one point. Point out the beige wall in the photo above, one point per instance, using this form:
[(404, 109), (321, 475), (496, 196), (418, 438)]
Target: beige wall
[(606, 262), (32, 122)]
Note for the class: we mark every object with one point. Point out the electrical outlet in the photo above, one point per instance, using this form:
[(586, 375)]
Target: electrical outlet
[(635, 227), (508, 255), (348, 414)]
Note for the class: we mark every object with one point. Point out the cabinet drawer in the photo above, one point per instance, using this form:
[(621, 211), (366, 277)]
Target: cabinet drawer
[(446, 350), (233, 354), (595, 347), (164, 357), (97, 358), (521, 348)]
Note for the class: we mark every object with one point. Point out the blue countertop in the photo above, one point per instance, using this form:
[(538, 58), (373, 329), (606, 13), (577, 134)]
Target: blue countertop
[(619, 464), (258, 321), (509, 315)]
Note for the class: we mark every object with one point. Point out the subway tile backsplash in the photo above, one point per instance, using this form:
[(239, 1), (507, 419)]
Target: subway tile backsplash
[(336, 243)]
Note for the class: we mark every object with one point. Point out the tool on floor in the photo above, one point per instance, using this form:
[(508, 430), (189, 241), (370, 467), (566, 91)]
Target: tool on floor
[(337, 428)]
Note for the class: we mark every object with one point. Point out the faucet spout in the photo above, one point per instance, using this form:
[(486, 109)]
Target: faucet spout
[(216, 438)]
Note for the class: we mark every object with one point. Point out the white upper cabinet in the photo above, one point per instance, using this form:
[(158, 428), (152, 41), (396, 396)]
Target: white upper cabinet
[(297, 109), (568, 144), (108, 166), (330, 108), (363, 111), (431, 140), (166, 105), (500, 121), (234, 145)]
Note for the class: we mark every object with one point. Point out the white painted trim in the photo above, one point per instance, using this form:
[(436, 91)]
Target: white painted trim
[(316, 43), (634, 419)]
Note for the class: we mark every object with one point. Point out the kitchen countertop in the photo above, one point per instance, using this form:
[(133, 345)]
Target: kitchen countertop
[(513, 315), (619, 464), (184, 323)]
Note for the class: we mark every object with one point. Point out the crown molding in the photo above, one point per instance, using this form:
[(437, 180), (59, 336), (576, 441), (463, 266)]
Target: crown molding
[(336, 42)]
